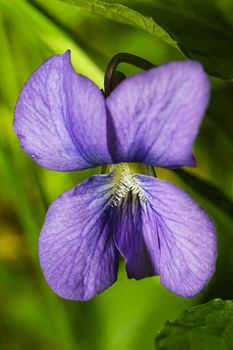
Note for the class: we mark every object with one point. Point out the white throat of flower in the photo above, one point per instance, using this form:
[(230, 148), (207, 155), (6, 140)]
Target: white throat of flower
[(124, 183)]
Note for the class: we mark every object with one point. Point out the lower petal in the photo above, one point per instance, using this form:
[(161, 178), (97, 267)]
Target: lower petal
[(180, 236), (77, 253), (129, 231)]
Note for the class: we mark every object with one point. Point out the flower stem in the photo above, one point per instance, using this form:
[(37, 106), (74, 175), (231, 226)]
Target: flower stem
[(112, 77)]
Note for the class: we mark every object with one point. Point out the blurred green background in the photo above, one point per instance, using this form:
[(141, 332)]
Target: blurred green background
[(128, 315)]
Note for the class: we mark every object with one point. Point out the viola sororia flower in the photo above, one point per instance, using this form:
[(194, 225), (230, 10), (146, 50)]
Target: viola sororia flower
[(64, 123)]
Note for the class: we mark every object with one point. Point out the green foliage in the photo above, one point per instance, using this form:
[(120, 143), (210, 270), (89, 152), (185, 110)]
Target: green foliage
[(204, 327), (208, 191), (201, 30)]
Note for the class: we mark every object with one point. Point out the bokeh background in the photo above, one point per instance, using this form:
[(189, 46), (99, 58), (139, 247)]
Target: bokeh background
[(129, 314)]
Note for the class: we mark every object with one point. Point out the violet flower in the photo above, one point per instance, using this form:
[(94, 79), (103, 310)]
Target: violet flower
[(64, 123)]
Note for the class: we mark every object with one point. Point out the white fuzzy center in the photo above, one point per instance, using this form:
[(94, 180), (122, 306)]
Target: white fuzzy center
[(124, 183)]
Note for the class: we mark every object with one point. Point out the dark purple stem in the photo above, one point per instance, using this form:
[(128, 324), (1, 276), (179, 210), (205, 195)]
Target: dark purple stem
[(113, 78)]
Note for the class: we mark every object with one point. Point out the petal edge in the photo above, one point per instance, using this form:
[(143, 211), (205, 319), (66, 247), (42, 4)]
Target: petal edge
[(77, 254), (52, 118), (187, 237), (155, 115)]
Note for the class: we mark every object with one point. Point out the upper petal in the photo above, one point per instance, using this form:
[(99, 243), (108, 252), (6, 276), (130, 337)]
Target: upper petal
[(180, 237), (60, 118), (154, 116), (76, 249)]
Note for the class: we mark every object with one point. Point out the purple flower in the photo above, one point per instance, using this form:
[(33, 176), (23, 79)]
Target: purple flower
[(64, 123)]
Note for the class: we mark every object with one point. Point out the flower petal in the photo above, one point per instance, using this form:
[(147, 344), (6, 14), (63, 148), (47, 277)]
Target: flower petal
[(60, 118), (154, 116), (184, 234), (76, 249), (128, 228)]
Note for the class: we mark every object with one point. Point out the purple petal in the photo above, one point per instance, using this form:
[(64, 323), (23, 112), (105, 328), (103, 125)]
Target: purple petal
[(154, 116), (184, 234), (129, 238), (76, 250), (60, 118)]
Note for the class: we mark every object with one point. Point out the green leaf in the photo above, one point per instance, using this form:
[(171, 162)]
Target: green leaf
[(220, 208), (226, 6), (204, 327), (199, 29), (23, 16), (208, 191), (124, 14)]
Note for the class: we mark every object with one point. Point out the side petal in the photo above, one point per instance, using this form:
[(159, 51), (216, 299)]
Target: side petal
[(129, 231), (184, 234), (77, 253), (60, 118), (154, 116)]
